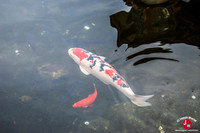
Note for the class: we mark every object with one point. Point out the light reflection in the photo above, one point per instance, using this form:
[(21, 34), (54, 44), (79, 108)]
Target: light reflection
[(17, 52), (86, 27)]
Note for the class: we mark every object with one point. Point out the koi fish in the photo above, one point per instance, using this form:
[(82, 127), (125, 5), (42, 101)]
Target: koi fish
[(91, 63), (87, 102)]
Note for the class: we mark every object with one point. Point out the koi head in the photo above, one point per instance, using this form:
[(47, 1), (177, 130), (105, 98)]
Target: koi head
[(75, 105), (77, 54)]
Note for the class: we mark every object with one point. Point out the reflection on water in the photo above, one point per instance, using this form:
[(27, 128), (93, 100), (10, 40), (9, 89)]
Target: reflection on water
[(157, 53), (150, 51), (152, 58), (170, 24), (144, 25)]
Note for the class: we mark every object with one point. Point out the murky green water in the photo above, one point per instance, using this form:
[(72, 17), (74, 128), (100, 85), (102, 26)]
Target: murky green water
[(156, 50)]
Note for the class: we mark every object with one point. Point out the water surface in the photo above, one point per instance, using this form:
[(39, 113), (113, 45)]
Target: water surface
[(39, 82)]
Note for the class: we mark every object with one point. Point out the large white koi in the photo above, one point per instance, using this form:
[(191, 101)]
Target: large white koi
[(91, 63)]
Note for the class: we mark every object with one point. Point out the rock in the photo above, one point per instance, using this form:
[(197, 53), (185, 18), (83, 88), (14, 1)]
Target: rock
[(55, 71), (25, 98)]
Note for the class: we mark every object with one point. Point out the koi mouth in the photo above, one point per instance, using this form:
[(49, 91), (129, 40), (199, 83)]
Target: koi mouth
[(70, 51)]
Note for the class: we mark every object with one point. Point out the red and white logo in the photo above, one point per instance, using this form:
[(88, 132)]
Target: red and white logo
[(187, 124)]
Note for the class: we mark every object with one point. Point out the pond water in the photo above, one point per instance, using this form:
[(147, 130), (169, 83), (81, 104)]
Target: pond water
[(39, 82)]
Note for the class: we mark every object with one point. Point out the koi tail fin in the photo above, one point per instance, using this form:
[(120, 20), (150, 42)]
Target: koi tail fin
[(140, 100)]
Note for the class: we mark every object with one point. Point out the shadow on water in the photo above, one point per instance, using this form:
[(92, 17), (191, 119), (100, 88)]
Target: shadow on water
[(169, 23)]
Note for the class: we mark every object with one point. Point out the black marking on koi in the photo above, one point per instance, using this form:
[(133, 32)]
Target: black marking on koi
[(93, 64)]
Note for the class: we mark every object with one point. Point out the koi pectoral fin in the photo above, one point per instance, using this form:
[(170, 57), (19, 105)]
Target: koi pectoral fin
[(84, 71), (90, 105), (105, 82), (102, 57)]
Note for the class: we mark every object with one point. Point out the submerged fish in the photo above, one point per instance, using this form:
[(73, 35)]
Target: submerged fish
[(91, 63), (87, 102)]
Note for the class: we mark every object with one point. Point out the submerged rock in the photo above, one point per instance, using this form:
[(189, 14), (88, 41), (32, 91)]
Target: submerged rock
[(53, 70), (25, 98)]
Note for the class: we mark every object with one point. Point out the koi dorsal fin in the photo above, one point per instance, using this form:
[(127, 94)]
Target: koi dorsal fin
[(102, 57)]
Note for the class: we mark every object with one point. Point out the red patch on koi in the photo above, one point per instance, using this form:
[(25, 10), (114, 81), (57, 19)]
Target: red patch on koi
[(80, 53), (109, 73), (119, 82)]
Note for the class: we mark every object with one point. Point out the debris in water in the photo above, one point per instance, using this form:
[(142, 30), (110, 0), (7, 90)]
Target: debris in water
[(43, 32), (53, 70), (25, 98), (86, 122), (17, 52), (193, 97), (162, 96), (66, 32), (161, 129), (86, 27)]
